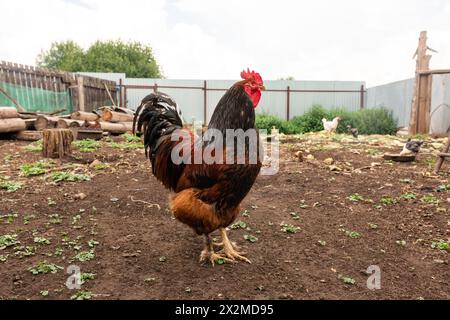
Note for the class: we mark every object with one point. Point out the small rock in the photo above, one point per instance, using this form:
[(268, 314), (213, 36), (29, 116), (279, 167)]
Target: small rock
[(114, 199), (95, 163), (310, 157), (439, 261), (335, 168), (328, 161), (80, 196), (299, 156)]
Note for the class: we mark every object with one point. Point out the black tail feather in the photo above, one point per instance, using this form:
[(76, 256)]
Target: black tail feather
[(156, 116)]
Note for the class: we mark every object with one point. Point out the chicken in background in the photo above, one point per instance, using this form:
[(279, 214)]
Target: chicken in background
[(353, 131), (331, 126), (206, 197), (411, 147)]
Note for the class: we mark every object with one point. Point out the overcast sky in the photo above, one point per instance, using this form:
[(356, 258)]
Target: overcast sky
[(366, 40)]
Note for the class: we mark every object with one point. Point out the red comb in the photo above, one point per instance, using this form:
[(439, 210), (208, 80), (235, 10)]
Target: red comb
[(251, 75)]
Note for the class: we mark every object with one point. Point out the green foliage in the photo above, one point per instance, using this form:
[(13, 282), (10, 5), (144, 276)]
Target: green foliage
[(68, 56), (87, 145), (368, 121), (35, 169), (35, 146), (130, 137), (10, 186), (441, 245), (44, 268), (69, 177), (8, 240), (133, 58)]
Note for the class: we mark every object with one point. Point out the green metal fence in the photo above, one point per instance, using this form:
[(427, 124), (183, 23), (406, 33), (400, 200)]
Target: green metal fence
[(37, 99)]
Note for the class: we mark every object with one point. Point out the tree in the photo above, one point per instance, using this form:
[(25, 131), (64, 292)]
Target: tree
[(132, 58), (66, 56)]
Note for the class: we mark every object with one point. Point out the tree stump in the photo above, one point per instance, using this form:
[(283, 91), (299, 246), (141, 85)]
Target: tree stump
[(57, 143)]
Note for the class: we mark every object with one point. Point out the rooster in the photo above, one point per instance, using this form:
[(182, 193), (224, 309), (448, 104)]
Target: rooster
[(353, 131), (331, 126), (205, 196)]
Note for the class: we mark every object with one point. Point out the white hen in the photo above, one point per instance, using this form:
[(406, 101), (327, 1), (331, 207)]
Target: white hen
[(331, 126)]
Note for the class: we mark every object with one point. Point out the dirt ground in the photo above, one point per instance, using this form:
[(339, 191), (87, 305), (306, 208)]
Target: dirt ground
[(361, 211)]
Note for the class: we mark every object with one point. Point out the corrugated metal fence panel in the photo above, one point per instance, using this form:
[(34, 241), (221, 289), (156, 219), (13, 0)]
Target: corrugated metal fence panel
[(396, 96), (440, 104), (301, 102), (191, 101)]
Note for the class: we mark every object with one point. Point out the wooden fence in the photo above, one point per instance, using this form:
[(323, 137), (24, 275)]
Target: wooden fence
[(85, 93)]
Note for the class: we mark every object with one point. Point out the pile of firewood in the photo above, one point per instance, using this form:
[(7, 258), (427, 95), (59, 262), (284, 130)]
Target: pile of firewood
[(29, 126)]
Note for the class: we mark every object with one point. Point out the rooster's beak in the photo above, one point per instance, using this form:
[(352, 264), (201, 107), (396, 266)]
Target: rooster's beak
[(262, 88)]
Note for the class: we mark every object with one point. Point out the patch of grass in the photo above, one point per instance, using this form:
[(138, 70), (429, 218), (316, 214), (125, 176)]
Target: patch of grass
[(347, 280), (250, 238), (430, 199), (130, 146), (85, 277), (351, 234), (289, 228), (41, 240), (239, 225), (44, 293), (35, 169), (11, 186), (87, 145), (82, 295), (44, 267), (9, 218), (408, 196), (23, 252), (388, 201), (441, 245), (27, 218), (356, 197), (130, 137), (92, 243), (444, 188), (8, 240), (85, 256), (69, 177), (101, 166), (36, 146)]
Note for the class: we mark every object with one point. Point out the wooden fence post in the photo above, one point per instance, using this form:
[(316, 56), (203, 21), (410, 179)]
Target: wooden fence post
[(421, 104), (80, 92)]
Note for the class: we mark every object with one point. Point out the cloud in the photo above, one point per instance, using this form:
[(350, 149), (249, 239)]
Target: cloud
[(314, 40)]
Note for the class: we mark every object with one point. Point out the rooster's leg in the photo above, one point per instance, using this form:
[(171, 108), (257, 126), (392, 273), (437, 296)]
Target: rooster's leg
[(229, 250), (209, 254)]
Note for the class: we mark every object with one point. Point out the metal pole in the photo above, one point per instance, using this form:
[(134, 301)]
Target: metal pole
[(288, 104), (362, 97), (205, 105), (155, 88)]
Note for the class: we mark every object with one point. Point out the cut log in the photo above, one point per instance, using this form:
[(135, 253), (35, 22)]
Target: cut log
[(57, 143), (116, 128), (12, 125), (112, 116), (80, 115), (8, 113), (30, 123), (28, 135), (44, 122), (67, 123)]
